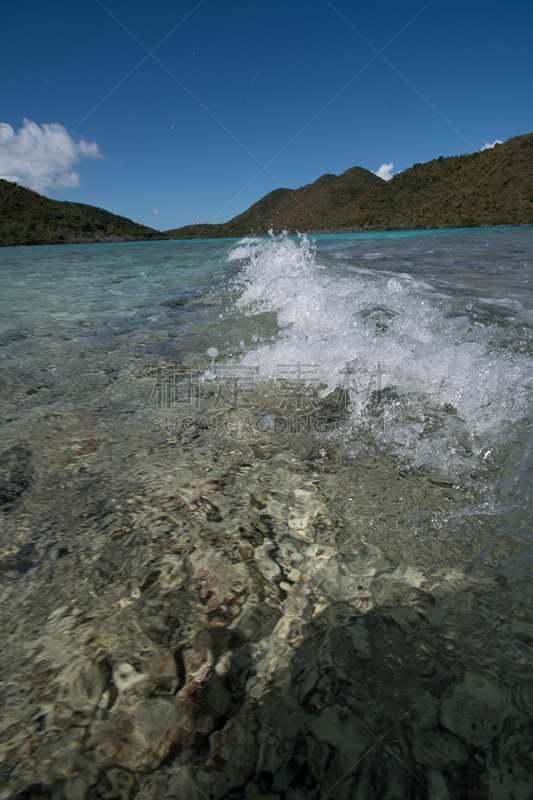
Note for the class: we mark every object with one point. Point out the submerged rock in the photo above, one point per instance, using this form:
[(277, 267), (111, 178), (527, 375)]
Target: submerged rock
[(136, 736), (235, 634), (15, 473)]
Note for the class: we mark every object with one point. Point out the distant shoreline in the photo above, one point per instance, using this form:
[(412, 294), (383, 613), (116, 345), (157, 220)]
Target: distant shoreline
[(113, 240), (488, 188)]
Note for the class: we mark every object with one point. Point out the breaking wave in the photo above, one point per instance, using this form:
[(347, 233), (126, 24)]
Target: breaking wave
[(441, 379)]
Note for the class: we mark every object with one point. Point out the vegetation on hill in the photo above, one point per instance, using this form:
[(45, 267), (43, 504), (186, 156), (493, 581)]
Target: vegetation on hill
[(29, 218), (489, 187)]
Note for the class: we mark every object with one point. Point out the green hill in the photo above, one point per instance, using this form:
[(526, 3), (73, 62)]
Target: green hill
[(492, 187), (29, 218)]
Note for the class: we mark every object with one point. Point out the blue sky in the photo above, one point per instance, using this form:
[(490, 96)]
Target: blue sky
[(300, 88)]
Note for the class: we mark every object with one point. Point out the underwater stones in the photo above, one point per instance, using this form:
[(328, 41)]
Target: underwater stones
[(299, 511), (437, 750), (198, 664), (192, 493), (318, 755), (75, 788), (522, 631), (293, 608), (222, 582), (476, 710), (256, 618), (127, 679), (15, 466), (141, 727), (329, 726), (81, 685), (514, 749), (64, 756), (171, 572), (290, 588), (122, 785), (231, 760), (216, 697), (269, 655), (359, 638), (253, 792), (306, 511), (130, 707), (243, 548), (223, 664), (165, 677), (183, 785), (136, 736), (340, 729), (155, 673), (316, 551), (11, 379), (219, 624), (268, 568), (390, 586), (368, 561), (140, 731), (436, 785)]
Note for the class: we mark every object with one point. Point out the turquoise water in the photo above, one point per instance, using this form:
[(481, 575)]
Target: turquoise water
[(266, 517)]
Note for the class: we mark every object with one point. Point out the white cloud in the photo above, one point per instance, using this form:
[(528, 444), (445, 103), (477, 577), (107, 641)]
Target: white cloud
[(385, 171), (489, 146), (42, 158)]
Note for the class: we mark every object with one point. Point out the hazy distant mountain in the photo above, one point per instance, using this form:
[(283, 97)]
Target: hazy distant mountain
[(489, 187)]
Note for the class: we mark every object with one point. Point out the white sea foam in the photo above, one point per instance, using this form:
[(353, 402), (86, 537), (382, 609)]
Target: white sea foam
[(451, 392)]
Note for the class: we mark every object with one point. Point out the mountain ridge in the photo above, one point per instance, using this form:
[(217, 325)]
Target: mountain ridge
[(489, 187)]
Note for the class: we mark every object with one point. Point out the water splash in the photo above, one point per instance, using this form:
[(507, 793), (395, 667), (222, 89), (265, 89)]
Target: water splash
[(450, 390)]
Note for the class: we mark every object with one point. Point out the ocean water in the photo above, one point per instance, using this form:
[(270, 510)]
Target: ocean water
[(267, 517)]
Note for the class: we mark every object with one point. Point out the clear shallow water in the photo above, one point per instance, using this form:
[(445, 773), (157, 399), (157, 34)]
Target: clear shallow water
[(267, 517)]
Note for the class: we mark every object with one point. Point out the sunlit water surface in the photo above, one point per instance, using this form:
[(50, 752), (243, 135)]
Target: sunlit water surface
[(266, 524)]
